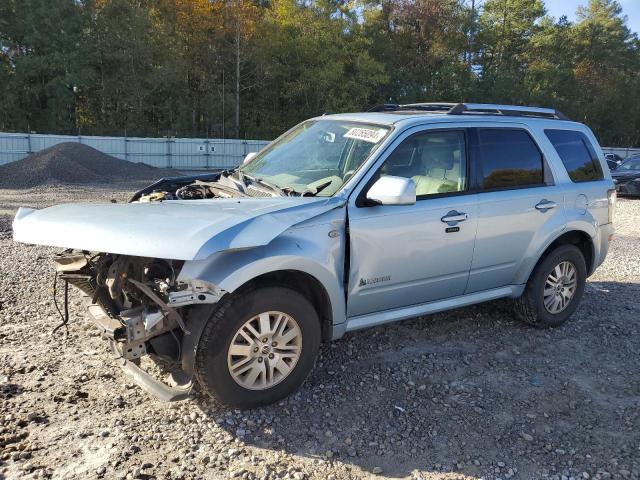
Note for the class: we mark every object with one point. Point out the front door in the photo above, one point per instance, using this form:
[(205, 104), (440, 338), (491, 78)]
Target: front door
[(404, 255)]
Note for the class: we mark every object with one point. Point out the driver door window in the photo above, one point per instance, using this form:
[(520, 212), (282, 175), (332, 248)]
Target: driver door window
[(436, 161)]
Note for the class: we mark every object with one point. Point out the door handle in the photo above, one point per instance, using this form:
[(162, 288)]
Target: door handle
[(544, 205), (454, 217)]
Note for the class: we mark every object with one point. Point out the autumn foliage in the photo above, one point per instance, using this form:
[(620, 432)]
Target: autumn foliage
[(253, 68)]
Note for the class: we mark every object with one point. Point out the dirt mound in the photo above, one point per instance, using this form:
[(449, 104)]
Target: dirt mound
[(75, 163)]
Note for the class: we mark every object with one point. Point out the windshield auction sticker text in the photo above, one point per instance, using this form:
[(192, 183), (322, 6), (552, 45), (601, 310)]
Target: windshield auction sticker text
[(366, 134)]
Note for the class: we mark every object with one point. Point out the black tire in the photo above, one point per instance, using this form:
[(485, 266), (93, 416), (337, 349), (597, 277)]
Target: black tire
[(530, 306), (212, 371)]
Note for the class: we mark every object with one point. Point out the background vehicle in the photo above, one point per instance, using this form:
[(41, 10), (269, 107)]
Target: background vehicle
[(627, 177), (613, 160), (344, 222)]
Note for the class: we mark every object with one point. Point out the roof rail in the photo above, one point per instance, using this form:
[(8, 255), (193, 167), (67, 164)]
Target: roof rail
[(385, 107), (473, 109), (508, 110), (423, 107)]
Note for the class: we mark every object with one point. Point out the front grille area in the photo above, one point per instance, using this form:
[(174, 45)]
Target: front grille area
[(84, 283), (81, 282)]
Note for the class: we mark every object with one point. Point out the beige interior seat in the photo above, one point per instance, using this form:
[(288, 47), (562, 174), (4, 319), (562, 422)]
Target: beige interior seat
[(427, 185), (439, 177)]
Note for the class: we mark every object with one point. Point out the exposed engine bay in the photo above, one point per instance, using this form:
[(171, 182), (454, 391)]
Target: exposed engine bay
[(136, 302), (237, 184), (225, 184)]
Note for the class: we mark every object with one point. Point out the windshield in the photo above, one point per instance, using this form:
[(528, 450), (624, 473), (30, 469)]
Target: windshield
[(316, 157), (630, 165)]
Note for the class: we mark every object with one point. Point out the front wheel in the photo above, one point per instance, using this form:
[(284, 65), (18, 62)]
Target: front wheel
[(258, 347), (555, 288)]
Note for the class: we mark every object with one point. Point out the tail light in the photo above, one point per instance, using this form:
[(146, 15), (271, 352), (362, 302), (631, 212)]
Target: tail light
[(611, 197)]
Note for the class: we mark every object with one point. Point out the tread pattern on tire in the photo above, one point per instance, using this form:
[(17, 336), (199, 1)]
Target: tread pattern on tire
[(205, 340), (216, 380), (524, 309)]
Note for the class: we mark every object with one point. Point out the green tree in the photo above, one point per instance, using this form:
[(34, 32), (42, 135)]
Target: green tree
[(505, 30), (45, 63), (423, 45), (607, 70), (550, 76), (128, 85), (253, 68), (308, 62), (189, 34)]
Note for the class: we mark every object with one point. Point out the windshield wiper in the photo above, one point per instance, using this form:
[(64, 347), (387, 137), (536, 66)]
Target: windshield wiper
[(259, 181), (315, 191)]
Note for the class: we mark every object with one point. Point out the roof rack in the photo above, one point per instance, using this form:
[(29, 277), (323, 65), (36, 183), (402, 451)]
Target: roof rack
[(423, 107), (473, 109)]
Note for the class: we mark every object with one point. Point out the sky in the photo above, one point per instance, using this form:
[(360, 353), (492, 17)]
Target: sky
[(631, 8)]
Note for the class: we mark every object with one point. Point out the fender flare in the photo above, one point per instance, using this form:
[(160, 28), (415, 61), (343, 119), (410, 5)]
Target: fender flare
[(585, 228)]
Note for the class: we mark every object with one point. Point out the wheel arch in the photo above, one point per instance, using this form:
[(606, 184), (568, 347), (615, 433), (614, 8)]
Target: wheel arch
[(306, 260), (303, 283), (580, 239)]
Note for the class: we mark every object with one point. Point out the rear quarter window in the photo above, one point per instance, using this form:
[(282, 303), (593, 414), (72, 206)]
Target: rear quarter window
[(577, 154), (509, 159)]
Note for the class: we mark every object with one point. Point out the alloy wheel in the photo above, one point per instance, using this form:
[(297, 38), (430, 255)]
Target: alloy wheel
[(264, 350), (560, 287)]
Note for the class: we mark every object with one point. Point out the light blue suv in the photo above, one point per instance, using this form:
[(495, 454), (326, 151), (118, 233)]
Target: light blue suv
[(345, 222)]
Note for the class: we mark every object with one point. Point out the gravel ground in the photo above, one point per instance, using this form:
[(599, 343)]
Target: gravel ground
[(465, 394)]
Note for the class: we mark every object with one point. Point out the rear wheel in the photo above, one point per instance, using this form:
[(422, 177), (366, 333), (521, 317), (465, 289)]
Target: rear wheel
[(555, 288), (258, 347)]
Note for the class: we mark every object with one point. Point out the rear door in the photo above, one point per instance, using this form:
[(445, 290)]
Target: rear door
[(518, 205), (586, 188)]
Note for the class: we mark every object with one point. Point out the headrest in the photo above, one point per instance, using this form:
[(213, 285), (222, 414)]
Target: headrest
[(438, 156)]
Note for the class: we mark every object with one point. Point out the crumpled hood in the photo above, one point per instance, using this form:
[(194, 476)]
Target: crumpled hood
[(180, 230)]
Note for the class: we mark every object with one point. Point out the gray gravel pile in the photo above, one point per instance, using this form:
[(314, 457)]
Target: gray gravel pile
[(466, 394), (75, 163)]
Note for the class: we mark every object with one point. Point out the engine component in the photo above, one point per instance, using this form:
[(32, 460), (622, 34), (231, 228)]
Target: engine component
[(82, 271), (156, 196), (169, 311), (195, 292), (141, 325), (151, 319), (135, 299), (223, 188), (200, 187), (123, 267)]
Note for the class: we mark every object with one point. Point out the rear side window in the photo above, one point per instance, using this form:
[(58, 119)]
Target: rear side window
[(509, 158), (577, 154)]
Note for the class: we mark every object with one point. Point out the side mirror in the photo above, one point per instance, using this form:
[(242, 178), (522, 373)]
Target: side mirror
[(391, 190), (248, 157)]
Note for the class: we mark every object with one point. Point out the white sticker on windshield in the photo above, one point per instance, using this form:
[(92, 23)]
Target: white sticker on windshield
[(367, 134)]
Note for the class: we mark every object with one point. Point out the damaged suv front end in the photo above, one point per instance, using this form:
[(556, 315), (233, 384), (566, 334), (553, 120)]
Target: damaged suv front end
[(138, 304), (156, 270), (156, 305)]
